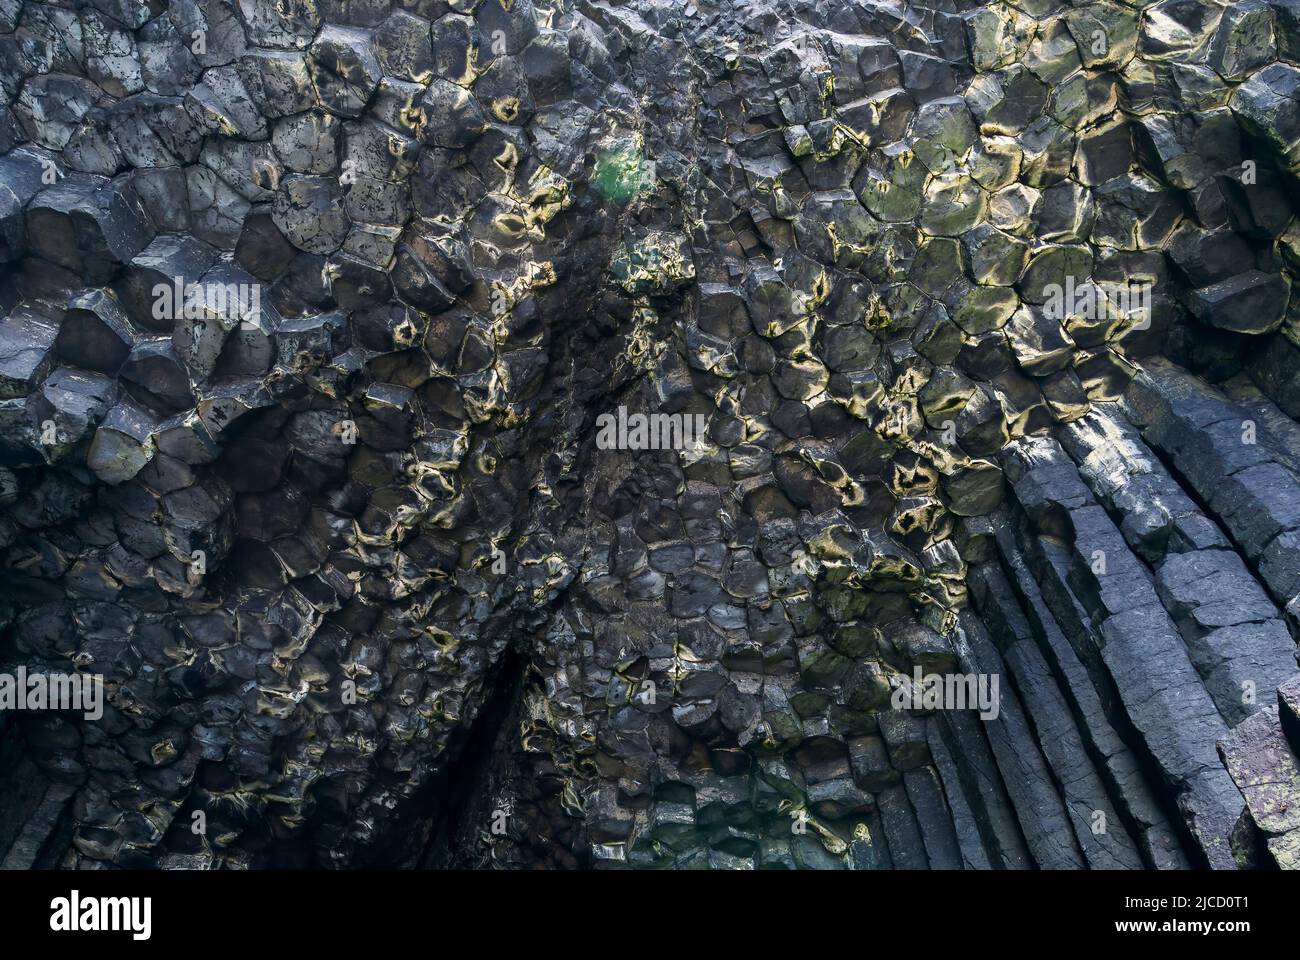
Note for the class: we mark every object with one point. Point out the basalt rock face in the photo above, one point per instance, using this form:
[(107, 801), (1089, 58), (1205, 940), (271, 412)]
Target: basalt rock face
[(314, 317)]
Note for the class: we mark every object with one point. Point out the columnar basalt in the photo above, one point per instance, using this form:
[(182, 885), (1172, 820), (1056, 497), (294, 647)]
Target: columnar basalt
[(313, 317)]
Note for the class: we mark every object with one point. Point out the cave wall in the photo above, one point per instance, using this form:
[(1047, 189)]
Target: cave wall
[(313, 313)]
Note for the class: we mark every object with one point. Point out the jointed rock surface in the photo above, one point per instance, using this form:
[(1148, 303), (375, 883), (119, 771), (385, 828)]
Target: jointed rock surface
[(309, 310)]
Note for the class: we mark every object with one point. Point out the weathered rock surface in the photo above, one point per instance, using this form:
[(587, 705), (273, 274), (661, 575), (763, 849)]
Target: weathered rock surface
[(313, 321)]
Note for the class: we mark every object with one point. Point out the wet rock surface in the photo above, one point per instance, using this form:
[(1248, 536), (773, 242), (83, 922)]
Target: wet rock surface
[(324, 332)]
